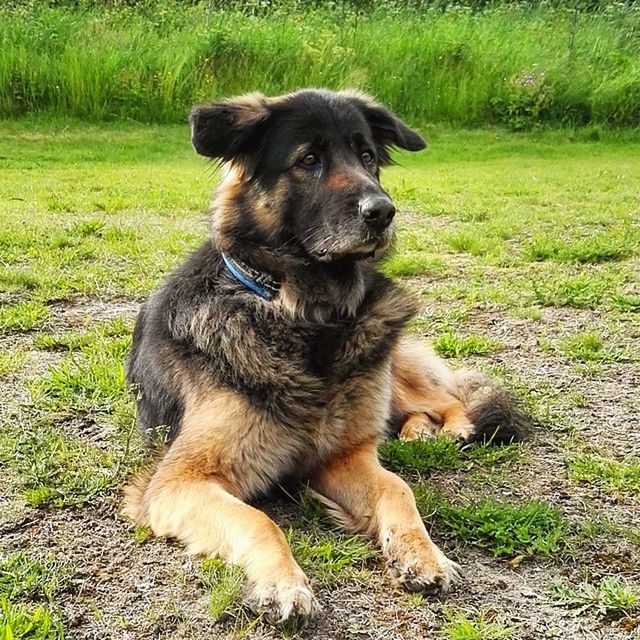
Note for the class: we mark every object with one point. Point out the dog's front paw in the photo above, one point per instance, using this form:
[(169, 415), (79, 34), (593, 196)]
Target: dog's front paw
[(418, 565), (284, 602)]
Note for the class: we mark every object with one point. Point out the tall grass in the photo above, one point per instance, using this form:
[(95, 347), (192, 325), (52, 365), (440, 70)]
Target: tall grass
[(512, 64)]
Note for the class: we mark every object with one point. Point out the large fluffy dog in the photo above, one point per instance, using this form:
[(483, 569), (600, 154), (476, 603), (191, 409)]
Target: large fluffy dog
[(275, 352)]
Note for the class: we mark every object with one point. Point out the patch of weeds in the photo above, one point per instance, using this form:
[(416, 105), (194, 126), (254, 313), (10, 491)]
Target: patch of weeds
[(142, 534), (330, 556), (470, 241), (532, 528), (225, 583), (429, 454), (309, 511), (577, 400), (92, 378), (22, 317), (453, 345), (490, 455), (589, 347), (413, 263), (612, 596), (605, 247), (475, 625), (88, 228), (56, 471), (435, 454), (581, 291), (83, 340), (612, 475), (28, 623), (10, 362), (601, 527), (26, 578), (626, 302)]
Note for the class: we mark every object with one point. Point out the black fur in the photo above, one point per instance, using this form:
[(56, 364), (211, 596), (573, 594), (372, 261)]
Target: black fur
[(202, 326)]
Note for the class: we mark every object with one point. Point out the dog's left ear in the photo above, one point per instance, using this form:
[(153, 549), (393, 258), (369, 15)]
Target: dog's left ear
[(229, 128), (388, 130)]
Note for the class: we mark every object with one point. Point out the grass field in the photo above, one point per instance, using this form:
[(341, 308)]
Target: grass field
[(524, 250), (520, 64)]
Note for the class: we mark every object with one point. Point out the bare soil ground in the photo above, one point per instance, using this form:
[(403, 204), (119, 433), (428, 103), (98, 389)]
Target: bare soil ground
[(122, 589)]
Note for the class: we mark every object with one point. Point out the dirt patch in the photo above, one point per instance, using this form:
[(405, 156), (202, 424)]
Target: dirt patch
[(121, 589)]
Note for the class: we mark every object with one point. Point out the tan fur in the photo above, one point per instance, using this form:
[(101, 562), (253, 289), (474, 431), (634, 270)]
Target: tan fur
[(225, 453), (291, 299), (267, 206), (226, 214), (338, 180), (426, 394), (378, 503)]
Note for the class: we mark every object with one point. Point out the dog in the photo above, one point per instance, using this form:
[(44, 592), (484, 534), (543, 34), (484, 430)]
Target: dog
[(276, 353)]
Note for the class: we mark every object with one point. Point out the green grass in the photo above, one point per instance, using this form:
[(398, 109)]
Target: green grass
[(24, 577), (611, 596), (54, 470), (21, 622), (532, 528), (90, 249), (98, 334), (91, 377), (10, 362), (413, 263), (330, 556), (513, 64), (590, 347), (225, 583), (452, 345), (475, 625), (611, 245), (613, 475), (436, 454), (22, 317)]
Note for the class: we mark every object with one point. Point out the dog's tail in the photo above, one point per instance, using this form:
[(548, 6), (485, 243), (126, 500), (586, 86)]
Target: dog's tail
[(494, 411)]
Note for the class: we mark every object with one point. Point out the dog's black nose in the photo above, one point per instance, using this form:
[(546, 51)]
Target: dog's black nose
[(378, 211)]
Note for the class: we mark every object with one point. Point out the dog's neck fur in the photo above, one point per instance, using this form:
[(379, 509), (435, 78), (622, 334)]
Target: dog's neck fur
[(309, 290)]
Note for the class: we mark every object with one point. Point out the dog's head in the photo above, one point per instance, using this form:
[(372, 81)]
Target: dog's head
[(303, 171)]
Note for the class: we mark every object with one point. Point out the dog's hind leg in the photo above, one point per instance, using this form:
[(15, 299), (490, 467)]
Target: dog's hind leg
[(423, 401), (367, 498)]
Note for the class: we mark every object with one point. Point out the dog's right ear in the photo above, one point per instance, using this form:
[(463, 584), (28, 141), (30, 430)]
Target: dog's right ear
[(229, 128)]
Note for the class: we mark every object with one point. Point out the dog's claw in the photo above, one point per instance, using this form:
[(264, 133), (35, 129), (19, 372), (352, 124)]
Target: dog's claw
[(420, 567), (283, 603)]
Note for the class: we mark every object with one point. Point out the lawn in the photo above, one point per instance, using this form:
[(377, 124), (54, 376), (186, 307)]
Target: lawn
[(524, 250)]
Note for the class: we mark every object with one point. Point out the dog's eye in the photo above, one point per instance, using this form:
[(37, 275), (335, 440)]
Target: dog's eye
[(310, 160), (367, 157)]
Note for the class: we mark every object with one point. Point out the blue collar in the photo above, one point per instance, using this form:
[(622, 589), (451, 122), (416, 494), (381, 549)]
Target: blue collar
[(261, 284)]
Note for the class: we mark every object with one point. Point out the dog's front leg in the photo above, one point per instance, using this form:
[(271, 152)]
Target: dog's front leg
[(369, 499), (181, 503)]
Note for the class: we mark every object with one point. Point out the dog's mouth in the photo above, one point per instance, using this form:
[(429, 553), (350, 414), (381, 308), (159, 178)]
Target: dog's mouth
[(362, 251)]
